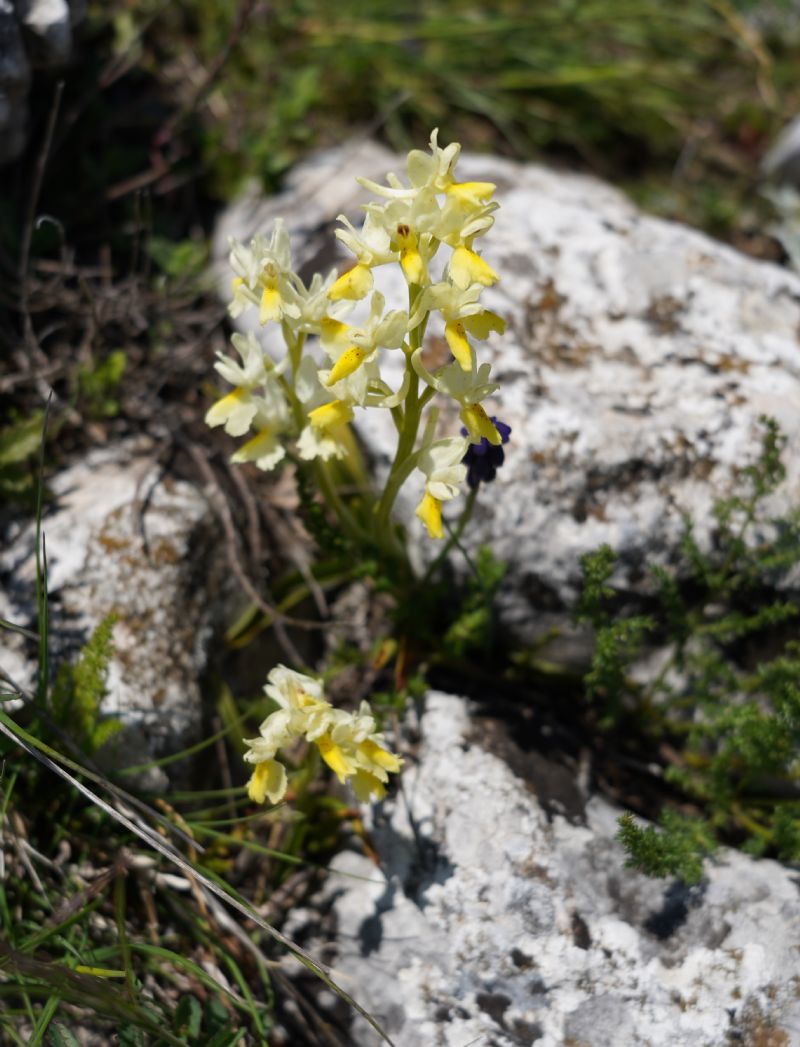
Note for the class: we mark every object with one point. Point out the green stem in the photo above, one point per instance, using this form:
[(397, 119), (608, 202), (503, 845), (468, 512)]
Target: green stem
[(403, 463), (427, 395), (335, 503), (454, 535), (404, 460), (295, 347), (454, 538)]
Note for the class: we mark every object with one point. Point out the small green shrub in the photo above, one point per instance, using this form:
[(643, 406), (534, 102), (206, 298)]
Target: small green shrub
[(727, 696), (675, 849)]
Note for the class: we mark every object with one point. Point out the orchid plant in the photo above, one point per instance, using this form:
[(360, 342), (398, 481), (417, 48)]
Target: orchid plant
[(301, 406), (295, 407)]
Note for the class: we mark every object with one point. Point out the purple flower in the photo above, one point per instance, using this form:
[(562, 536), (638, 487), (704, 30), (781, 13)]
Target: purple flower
[(484, 459)]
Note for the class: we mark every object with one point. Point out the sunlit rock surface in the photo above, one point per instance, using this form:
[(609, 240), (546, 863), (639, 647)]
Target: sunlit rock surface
[(499, 912), (123, 539), (638, 358)]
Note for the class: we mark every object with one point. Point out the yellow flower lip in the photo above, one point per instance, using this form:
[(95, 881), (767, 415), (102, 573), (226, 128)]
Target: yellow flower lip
[(479, 425), (335, 758), (411, 261), (473, 194), (350, 360), (219, 412), (429, 511), (382, 757), (268, 781), (333, 330), (413, 266), (458, 343), (467, 267), (356, 283), (271, 305), (260, 442), (337, 412)]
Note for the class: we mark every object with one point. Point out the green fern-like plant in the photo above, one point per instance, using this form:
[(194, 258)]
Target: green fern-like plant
[(79, 689)]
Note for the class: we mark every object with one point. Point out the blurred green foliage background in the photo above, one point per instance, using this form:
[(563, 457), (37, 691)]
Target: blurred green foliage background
[(675, 100), (187, 98)]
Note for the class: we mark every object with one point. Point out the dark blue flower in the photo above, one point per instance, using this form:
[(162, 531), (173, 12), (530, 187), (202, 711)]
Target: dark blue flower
[(484, 459)]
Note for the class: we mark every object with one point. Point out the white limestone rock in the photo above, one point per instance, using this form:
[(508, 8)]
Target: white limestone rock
[(490, 922), (638, 358), (122, 539)]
